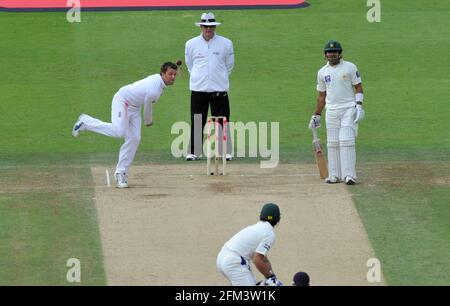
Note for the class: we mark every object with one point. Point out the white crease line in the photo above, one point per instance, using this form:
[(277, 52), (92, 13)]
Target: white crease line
[(239, 175)]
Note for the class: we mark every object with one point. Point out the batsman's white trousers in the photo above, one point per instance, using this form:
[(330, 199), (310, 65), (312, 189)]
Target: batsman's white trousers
[(125, 123), (341, 134), (235, 268)]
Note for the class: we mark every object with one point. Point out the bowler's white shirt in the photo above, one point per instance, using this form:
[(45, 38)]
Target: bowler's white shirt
[(209, 63), (338, 82), (258, 238), (147, 90)]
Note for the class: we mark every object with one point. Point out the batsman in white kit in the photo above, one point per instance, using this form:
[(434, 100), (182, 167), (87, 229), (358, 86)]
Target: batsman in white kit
[(251, 244), (126, 116), (340, 91)]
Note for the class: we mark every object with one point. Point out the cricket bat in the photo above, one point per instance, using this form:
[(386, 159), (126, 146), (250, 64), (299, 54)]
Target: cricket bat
[(318, 154)]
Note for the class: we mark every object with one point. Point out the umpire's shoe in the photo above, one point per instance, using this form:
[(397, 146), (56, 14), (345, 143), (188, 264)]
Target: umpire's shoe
[(191, 157)]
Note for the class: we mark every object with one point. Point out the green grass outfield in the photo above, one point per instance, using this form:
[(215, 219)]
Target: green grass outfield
[(52, 70)]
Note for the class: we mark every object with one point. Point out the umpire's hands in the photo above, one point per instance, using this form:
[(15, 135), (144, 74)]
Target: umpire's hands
[(314, 123)]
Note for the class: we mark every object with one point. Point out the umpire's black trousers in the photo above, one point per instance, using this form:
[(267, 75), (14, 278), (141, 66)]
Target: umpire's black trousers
[(200, 102)]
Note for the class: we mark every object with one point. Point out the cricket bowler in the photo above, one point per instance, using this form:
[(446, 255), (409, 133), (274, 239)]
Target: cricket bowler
[(126, 116)]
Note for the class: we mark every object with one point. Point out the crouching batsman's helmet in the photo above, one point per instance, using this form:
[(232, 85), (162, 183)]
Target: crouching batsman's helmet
[(270, 213)]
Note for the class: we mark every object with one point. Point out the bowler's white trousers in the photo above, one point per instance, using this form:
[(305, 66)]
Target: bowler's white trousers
[(125, 123), (235, 268)]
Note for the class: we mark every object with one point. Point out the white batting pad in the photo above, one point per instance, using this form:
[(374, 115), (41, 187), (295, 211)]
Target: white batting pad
[(334, 163), (347, 151)]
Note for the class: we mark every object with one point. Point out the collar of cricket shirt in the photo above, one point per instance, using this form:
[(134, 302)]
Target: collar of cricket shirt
[(208, 41), (162, 82)]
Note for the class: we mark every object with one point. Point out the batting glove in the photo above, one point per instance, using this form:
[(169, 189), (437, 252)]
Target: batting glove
[(314, 123), (272, 281), (359, 113)]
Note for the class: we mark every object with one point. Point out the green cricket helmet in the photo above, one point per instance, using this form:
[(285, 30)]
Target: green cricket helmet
[(332, 45), (271, 213)]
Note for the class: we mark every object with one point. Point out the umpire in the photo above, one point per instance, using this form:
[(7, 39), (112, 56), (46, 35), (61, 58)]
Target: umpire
[(210, 59)]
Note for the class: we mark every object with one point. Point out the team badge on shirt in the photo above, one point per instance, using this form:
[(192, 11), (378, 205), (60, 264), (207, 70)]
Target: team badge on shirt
[(266, 246), (357, 74), (327, 78)]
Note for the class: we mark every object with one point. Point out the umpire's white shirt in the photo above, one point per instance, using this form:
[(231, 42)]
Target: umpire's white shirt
[(338, 83), (209, 63), (258, 238), (147, 90)]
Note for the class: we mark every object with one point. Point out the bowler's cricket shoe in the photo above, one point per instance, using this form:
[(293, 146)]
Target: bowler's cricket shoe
[(350, 180), (122, 180), (228, 157), (332, 180), (78, 127)]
